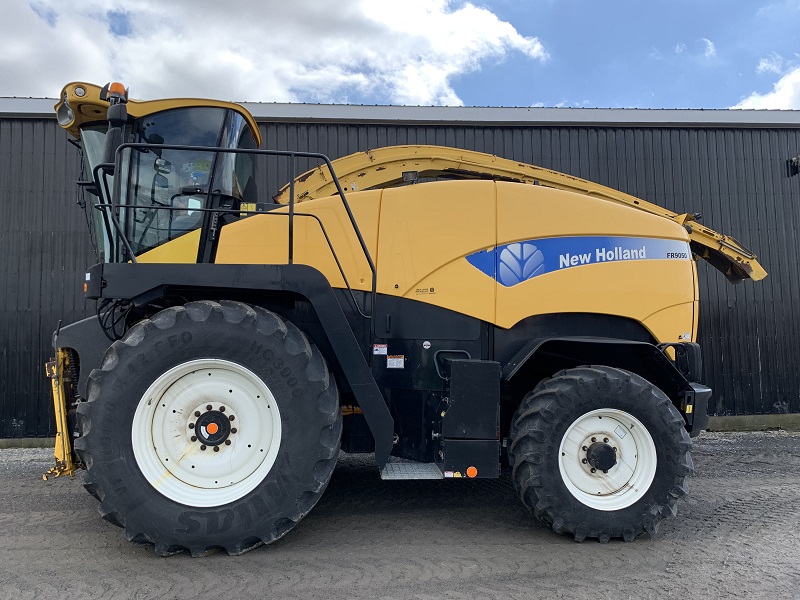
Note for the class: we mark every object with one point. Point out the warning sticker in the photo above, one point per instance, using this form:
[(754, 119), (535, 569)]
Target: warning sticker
[(380, 349), (395, 361)]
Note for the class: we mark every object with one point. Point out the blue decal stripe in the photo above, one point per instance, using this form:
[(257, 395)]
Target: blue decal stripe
[(511, 264), (484, 261)]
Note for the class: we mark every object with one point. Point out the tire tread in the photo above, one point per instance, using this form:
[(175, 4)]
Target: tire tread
[(294, 342), (531, 428)]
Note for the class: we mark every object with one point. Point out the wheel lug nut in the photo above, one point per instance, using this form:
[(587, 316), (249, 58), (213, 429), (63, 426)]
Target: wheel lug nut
[(227, 442), (197, 413), (584, 461), (594, 439), (216, 448), (191, 425), (605, 440), (231, 418), (203, 447), (615, 449), (221, 409), (234, 430), (584, 448), (594, 470), (209, 407), (194, 438), (606, 472)]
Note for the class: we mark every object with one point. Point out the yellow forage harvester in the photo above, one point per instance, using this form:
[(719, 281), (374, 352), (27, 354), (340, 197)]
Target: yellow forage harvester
[(449, 312)]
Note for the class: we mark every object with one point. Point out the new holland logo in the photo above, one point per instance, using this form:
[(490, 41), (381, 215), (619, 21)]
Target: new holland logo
[(515, 263), (519, 262)]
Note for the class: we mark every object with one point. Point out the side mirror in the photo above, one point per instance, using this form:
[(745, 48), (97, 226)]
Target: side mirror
[(162, 165), (160, 181)]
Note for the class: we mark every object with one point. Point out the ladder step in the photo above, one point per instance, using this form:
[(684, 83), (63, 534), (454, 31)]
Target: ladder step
[(411, 470)]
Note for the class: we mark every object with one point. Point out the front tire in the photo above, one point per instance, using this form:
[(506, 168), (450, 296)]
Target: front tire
[(599, 452), (210, 425)]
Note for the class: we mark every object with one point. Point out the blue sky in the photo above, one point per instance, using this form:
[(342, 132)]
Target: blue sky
[(572, 53), (624, 53)]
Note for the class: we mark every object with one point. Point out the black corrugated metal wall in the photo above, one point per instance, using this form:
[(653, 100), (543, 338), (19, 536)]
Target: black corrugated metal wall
[(43, 252), (737, 178)]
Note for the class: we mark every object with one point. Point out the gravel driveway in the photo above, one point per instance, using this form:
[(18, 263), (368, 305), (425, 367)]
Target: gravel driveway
[(737, 536)]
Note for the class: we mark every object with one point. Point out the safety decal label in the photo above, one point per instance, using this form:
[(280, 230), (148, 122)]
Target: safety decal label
[(380, 349), (395, 361), (511, 264)]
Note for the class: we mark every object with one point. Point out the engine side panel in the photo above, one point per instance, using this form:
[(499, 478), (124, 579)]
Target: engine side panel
[(493, 251)]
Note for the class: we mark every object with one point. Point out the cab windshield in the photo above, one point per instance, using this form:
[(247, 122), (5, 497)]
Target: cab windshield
[(162, 191)]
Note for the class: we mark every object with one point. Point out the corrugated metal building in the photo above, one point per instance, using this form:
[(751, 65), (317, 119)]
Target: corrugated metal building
[(731, 166)]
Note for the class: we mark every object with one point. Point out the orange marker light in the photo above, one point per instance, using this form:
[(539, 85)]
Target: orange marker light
[(85, 287), (116, 88), (472, 472), (212, 428)]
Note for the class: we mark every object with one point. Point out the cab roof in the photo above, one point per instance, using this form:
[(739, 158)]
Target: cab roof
[(83, 99)]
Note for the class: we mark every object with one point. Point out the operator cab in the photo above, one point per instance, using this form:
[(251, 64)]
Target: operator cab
[(165, 186)]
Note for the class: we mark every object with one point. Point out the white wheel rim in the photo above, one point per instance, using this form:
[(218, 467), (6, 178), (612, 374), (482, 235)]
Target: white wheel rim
[(178, 467), (624, 483)]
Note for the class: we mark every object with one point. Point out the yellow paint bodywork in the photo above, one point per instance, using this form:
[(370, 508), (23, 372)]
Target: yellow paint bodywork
[(264, 238), (180, 250), (419, 237), (634, 289), (426, 232), (90, 108), (384, 167)]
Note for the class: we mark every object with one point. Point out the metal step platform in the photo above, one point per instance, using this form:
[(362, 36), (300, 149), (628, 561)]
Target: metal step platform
[(396, 470)]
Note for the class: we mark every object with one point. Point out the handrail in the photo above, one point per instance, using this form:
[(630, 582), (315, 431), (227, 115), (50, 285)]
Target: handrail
[(258, 152), (111, 214), (103, 206)]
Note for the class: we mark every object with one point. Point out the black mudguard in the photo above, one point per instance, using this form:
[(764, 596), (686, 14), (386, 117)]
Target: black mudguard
[(642, 358), (143, 283)]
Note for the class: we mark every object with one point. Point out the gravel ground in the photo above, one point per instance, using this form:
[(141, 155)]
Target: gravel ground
[(736, 536)]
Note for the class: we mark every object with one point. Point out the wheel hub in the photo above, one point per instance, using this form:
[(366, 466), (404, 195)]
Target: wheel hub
[(212, 428), (601, 456)]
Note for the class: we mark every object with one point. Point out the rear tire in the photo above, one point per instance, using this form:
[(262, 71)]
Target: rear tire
[(185, 477), (599, 452)]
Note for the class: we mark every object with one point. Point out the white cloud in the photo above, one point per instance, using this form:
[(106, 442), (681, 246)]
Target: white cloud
[(774, 63), (711, 49), (702, 46), (779, 9), (785, 94), (389, 51)]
